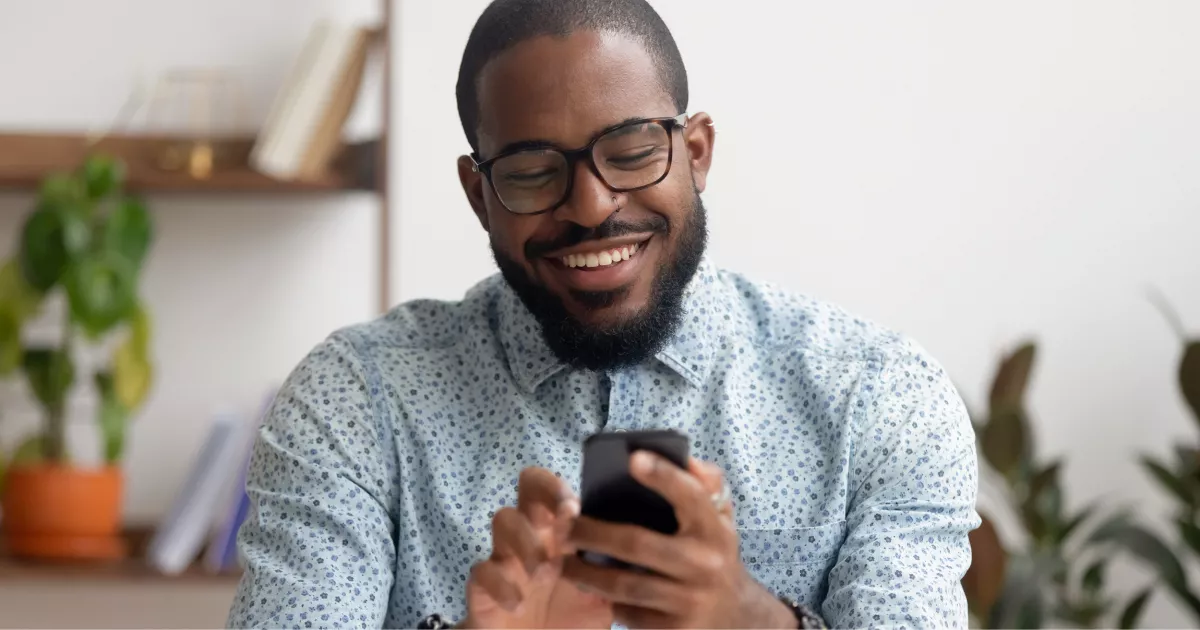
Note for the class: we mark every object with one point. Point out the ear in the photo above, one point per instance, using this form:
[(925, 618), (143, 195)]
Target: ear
[(473, 185), (698, 137)]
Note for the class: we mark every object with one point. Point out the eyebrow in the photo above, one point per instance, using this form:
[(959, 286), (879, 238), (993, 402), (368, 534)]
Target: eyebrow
[(538, 143)]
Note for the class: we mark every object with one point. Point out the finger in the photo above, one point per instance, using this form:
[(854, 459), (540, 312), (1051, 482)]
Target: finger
[(712, 478), (491, 579), (564, 522), (539, 495), (513, 538), (634, 617), (629, 587), (693, 508), (671, 556)]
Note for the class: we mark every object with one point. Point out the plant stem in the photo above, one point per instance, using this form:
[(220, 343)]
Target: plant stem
[(1168, 312), (56, 414), (54, 445)]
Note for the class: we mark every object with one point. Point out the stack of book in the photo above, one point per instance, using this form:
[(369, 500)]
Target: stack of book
[(204, 519), (303, 130)]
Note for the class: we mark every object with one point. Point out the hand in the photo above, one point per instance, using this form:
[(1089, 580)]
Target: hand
[(520, 584), (696, 577)]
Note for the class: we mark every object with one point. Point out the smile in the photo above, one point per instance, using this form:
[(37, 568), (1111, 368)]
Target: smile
[(600, 266), (600, 258)]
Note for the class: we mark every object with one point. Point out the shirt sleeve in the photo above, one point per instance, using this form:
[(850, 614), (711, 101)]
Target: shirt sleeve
[(319, 543), (913, 480)]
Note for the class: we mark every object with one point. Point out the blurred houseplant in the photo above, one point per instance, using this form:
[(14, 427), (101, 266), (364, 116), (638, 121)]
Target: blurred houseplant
[(1181, 478), (85, 239), (1054, 573)]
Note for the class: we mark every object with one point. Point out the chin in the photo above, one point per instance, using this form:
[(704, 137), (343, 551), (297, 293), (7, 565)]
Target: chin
[(616, 312)]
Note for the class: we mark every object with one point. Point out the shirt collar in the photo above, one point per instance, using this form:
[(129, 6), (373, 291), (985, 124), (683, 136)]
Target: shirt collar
[(690, 351)]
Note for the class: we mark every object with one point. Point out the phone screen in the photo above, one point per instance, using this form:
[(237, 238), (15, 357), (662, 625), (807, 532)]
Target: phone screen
[(610, 493)]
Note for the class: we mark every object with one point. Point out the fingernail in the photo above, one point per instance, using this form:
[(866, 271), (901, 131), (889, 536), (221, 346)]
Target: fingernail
[(642, 462), (572, 507)]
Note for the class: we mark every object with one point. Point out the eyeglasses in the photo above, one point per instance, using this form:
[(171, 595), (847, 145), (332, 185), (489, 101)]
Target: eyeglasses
[(626, 157)]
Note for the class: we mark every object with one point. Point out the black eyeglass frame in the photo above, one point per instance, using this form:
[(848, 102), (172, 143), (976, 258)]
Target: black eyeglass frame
[(572, 156)]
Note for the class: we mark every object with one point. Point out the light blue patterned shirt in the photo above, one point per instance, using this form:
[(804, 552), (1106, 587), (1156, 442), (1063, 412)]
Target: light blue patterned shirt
[(387, 451)]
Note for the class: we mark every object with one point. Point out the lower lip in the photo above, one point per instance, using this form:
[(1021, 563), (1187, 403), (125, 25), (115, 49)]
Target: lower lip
[(606, 278)]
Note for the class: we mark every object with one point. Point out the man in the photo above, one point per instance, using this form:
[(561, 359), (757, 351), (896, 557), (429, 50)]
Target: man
[(427, 463)]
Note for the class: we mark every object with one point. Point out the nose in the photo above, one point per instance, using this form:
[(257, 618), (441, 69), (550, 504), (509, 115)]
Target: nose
[(590, 202)]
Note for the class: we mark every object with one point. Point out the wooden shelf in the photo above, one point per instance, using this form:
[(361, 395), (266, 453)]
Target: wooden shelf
[(25, 159), (12, 570), (131, 569)]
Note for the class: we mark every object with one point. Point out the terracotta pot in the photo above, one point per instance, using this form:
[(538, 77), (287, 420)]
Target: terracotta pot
[(65, 513)]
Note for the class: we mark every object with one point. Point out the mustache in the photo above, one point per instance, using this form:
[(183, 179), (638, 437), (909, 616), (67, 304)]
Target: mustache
[(611, 228)]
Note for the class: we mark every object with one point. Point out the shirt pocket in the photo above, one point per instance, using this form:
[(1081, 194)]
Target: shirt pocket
[(793, 562)]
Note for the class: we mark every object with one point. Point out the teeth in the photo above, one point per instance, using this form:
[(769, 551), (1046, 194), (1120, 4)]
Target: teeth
[(600, 259)]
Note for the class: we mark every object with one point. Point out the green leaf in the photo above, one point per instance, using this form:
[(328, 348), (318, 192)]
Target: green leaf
[(62, 189), (1145, 546), (1042, 509), (1012, 378), (16, 296), (1020, 604), (1133, 611), (1189, 377), (128, 231), (50, 373), (113, 418), (1004, 440), (1044, 479), (1075, 522), (102, 175), (132, 374), (1190, 534), (10, 343), (1168, 480), (43, 254), (140, 330), (1187, 460), (101, 290), (1093, 577)]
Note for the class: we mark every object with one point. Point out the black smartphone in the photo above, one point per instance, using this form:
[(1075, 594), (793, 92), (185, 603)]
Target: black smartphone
[(609, 492)]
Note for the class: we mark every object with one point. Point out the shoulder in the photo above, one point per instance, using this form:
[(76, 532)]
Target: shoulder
[(423, 325), (788, 323), (784, 320)]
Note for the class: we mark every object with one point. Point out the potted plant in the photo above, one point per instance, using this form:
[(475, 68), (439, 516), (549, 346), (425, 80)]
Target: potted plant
[(1051, 569), (86, 239), (1179, 477)]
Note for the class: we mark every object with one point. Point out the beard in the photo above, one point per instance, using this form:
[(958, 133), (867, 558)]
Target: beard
[(639, 336)]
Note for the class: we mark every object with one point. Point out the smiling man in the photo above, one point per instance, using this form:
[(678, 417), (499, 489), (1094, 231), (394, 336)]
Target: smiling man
[(424, 467)]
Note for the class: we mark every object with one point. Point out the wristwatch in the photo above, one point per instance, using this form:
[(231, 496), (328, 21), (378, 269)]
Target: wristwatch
[(434, 622), (805, 617)]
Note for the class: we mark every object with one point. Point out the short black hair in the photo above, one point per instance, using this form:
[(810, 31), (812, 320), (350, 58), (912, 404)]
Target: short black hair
[(506, 23)]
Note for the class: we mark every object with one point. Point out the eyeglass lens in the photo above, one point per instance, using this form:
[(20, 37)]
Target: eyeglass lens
[(627, 157)]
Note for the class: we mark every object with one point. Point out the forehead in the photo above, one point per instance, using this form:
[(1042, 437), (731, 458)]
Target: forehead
[(565, 89)]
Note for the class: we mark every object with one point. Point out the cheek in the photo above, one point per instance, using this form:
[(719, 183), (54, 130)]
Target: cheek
[(509, 233)]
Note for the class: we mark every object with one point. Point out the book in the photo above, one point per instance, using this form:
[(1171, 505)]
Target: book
[(303, 127), (220, 554), (178, 540)]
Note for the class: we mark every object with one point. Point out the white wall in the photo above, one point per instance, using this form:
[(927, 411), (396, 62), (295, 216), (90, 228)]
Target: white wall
[(240, 286), (970, 173)]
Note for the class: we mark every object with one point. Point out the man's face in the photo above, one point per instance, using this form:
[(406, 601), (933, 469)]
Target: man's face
[(570, 262)]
